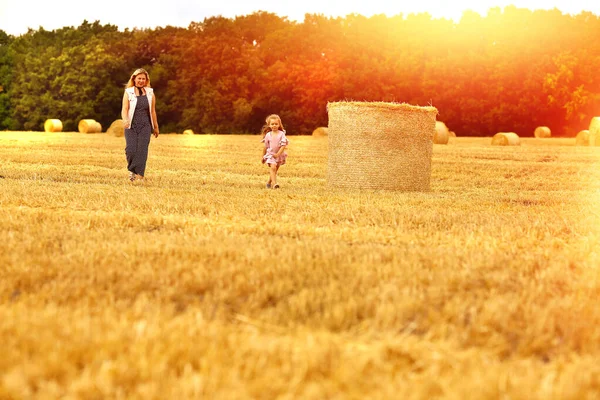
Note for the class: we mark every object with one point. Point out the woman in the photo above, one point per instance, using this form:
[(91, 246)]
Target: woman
[(139, 121)]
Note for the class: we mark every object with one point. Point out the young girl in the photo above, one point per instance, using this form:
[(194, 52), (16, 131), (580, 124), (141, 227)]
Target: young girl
[(274, 152)]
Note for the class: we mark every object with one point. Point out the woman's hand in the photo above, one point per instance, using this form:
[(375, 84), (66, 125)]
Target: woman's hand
[(156, 132)]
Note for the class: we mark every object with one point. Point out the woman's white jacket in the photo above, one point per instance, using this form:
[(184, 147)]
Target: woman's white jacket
[(133, 101)]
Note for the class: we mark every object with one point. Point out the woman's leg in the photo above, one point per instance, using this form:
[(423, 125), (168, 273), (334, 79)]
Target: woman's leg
[(142, 153), (130, 149)]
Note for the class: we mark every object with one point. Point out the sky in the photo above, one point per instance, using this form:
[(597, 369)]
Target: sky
[(16, 16)]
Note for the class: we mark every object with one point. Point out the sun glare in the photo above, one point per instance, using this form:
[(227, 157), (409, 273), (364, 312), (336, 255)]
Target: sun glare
[(437, 8)]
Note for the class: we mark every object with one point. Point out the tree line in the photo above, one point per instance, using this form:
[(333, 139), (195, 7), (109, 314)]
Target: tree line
[(511, 70)]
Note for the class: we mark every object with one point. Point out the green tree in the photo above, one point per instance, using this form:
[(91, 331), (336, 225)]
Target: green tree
[(6, 77)]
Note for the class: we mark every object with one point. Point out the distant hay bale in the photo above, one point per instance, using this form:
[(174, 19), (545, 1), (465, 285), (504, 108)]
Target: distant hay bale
[(380, 145), (320, 131), (452, 134), (53, 125), (506, 139), (188, 132), (116, 128), (89, 126), (442, 133), (595, 132), (583, 138), (542, 132)]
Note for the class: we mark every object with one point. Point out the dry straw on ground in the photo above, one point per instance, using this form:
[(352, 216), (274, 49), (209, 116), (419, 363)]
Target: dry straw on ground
[(442, 133), (53, 125), (583, 138), (542, 132), (89, 126), (188, 132), (484, 288), (595, 132), (320, 131), (116, 128), (506, 139), (380, 145)]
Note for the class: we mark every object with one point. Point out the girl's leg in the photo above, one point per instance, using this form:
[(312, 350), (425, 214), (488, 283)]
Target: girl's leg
[(275, 185), (269, 181), (273, 174)]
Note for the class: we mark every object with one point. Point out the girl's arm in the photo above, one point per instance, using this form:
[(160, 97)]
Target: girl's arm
[(125, 111), (281, 150), (154, 116), (283, 147), (264, 148)]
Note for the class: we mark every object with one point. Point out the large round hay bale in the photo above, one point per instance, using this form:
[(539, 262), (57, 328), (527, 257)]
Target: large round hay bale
[(542, 132), (188, 132), (583, 138), (53, 125), (320, 131), (595, 132), (89, 126), (452, 134), (116, 128), (442, 133), (380, 145), (506, 139)]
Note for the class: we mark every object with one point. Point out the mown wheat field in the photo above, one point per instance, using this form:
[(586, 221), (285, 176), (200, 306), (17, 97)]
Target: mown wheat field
[(201, 283)]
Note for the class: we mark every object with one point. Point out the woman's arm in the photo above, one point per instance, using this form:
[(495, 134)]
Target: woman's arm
[(155, 127), (125, 111)]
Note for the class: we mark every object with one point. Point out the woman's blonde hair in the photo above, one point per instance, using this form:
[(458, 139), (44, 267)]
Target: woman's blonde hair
[(266, 128), (136, 73)]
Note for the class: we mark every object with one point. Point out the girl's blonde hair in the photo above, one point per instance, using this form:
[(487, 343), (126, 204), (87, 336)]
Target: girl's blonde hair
[(138, 71), (266, 128)]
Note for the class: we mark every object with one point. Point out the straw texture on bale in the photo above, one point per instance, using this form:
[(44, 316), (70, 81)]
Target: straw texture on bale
[(583, 138), (89, 126), (320, 131), (506, 139), (595, 132), (442, 133), (188, 132), (542, 132), (452, 134), (380, 145), (116, 128), (53, 125)]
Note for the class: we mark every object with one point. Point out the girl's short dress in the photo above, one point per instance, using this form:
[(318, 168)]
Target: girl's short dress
[(273, 143)]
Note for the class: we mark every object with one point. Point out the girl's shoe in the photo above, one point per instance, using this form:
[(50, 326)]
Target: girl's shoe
[(276, 186), (268, 185)]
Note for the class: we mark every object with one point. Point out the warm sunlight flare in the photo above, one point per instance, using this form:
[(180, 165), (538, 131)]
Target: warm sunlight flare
[(437, 8), (182, 12)]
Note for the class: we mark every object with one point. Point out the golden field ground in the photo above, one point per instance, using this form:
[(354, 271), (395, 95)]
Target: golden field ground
[(201, 283)]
